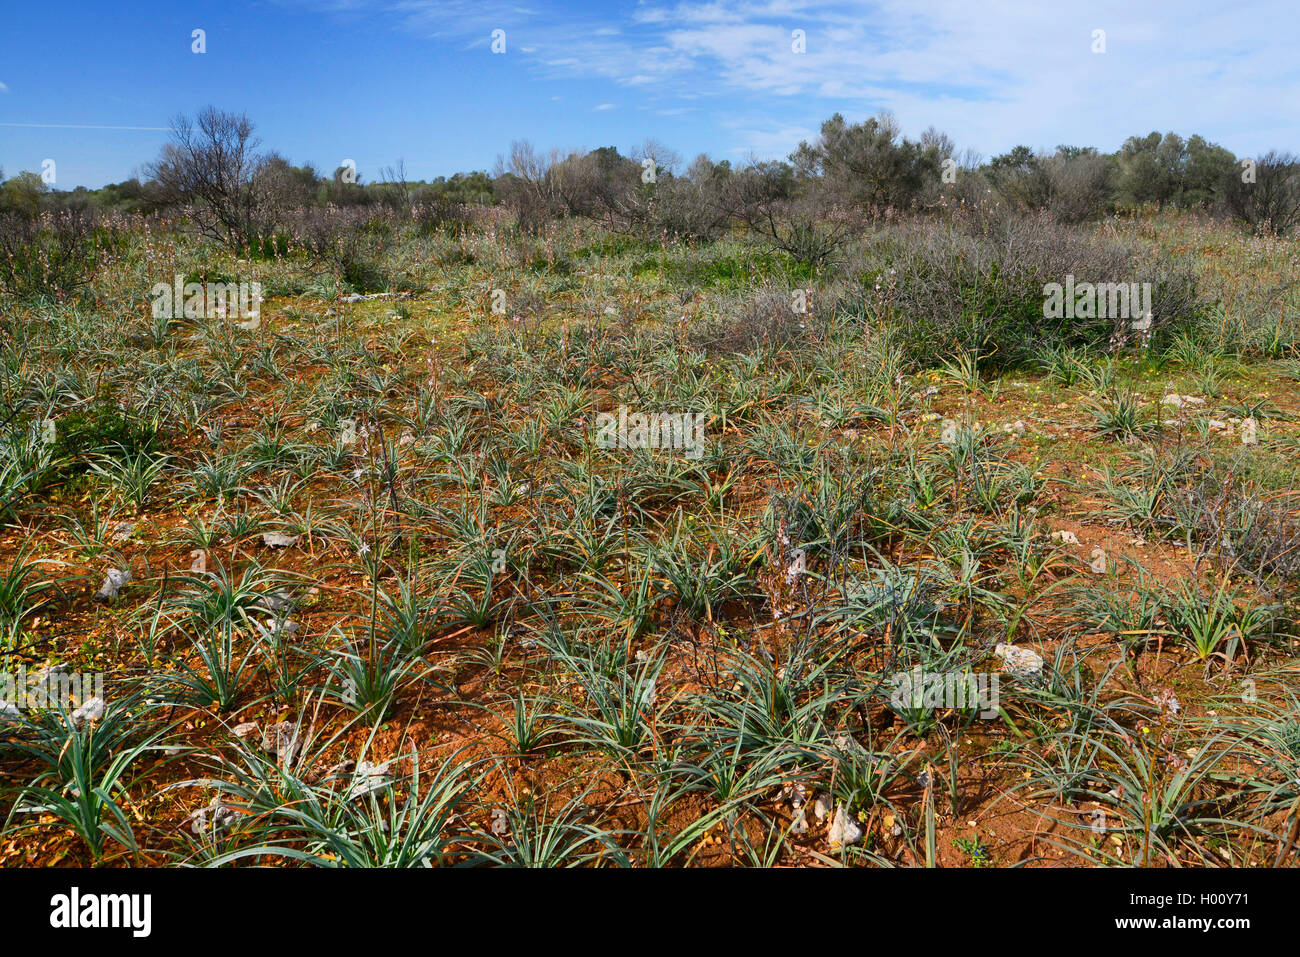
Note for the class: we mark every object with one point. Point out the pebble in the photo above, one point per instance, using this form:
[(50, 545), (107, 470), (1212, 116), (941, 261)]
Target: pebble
[(844, 830), (213, 819), (92, 710), (281, 740), (113, 582), (1019, 661)]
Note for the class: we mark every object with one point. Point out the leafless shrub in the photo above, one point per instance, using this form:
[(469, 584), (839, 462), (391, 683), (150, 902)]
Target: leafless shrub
[(438, 216), (282, 187), (1072, 184), (211, 168), (765, 316), (1079, 185), (347, 242), (1219, 509), (804, 229), (524, 183), (50, 254), (978, 282), (1255, 532)]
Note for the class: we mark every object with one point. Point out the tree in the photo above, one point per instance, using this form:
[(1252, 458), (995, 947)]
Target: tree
[(1021, 177), (1204, 170), (211, 167), (284, 186), (522, 180), (23, 193), (1170, 170), (1079, 183), (1271, 203), (869, 164)]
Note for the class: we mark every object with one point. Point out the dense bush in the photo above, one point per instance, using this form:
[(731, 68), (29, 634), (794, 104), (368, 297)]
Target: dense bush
[(762, 317), (1270, 202), (440, 216), (870, 164), (347, 242), (979, 286), (1170, 170), (1073, 184), (49, 254)]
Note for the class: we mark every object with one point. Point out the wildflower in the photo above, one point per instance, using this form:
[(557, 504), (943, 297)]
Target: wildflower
[(1166, 700)]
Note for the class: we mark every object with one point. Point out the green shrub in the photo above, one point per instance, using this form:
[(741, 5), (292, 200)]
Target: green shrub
[(102, 428), (980, 288)]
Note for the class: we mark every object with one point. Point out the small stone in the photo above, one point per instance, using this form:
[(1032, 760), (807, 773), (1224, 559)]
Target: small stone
[(113, 582), (122, 531), (1249, 432), (213, 819), (368, 779), (92, 710), (1023, 662), (279, 539), (1065, 537), (275, 601), (281, 740), (345, 768), (822, 806), (844, 830), (245, 730), (848, 743)]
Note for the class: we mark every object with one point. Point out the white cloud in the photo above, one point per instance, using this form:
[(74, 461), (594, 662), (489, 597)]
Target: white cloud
[(991, 75), (3, 88)]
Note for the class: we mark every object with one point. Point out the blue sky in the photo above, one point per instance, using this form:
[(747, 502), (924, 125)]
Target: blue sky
[(381, 80)]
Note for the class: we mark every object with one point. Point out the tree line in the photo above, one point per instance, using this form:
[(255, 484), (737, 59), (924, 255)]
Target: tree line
[(213, 170)]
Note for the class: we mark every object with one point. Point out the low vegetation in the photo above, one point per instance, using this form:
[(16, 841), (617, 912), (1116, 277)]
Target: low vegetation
[(576, 517)]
